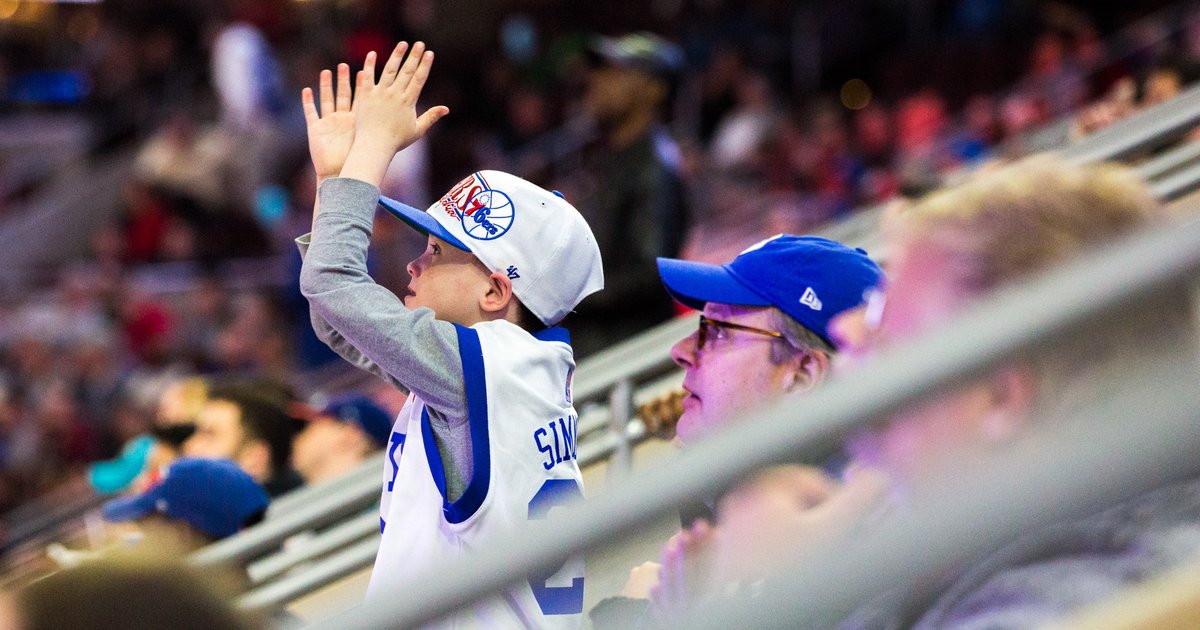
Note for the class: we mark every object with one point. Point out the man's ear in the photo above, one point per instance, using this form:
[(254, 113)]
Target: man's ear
[(1012, 391), (499, 294), (806, 370)]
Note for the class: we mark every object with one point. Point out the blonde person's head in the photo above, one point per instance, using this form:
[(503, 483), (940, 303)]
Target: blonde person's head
[(1024, 218), (1015, 220)]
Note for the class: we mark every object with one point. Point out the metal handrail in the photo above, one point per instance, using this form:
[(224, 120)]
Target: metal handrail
[(1145, 129), (1161, 165), (1001, 326), (357, 528), (268, 535), (345, 562), (367, 472), (1178, 183)]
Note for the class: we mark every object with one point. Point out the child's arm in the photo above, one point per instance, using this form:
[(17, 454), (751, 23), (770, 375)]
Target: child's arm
[(330, 131), (385, 116), (359, 319), (330, 134)]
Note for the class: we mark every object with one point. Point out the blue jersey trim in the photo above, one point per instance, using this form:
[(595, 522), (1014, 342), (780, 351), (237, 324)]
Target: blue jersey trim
[(553, 334), (475, 382)]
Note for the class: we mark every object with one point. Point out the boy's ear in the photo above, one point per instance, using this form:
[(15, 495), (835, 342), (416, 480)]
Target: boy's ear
[(499, 294)]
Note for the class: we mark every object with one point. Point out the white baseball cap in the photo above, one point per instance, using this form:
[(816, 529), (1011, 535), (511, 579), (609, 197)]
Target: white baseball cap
[(520, 229)]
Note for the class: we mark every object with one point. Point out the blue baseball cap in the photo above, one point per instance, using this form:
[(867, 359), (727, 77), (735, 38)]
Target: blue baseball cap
[(212, 495), (363, 413), (809, 278)]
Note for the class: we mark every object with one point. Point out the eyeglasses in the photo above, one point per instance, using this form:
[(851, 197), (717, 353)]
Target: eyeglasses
[(715, 329)]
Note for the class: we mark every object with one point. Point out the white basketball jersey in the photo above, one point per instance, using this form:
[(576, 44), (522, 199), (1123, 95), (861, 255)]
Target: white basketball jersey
[(522, 426)]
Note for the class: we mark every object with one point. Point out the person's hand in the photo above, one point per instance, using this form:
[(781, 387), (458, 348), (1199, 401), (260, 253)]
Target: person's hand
[(642, 579), (685, 575), (331, 130), (385, 112), (797, 508), (662, 414)]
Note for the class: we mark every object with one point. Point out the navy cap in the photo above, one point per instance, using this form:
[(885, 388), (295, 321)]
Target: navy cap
[(214, 496), (363, 413), (809, 278)]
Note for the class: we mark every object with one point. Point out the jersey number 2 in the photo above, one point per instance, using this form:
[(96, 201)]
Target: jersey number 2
[(555, 600)]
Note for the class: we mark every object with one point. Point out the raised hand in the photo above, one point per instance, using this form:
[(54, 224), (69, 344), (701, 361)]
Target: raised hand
[(331, 130), (385, 112)]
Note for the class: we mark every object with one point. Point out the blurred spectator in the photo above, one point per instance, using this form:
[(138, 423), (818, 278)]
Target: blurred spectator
[(920, 122), (187, 161), (628, 188), (136, 593), (197, 502), (339, 437), (146, 456), (1054, 81), (249, 423)]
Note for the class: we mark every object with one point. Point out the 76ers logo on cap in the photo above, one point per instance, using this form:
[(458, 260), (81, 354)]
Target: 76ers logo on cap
[(488, 215), (485, 213)]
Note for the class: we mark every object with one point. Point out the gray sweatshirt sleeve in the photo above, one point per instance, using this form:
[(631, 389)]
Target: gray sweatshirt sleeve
[(364, 322), (335, 340)]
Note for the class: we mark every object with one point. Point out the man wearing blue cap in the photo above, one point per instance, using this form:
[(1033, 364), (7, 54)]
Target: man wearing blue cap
[(764, 329), (347, 431), (764, 333)]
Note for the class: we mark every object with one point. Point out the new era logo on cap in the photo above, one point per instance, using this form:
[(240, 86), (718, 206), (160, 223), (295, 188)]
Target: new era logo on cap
[(529, 234), (810, 299)]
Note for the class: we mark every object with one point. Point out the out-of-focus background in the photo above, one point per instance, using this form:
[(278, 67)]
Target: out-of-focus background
[(154, 173)]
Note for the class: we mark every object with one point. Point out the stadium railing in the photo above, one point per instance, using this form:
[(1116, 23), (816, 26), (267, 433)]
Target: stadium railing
[(609, 383)]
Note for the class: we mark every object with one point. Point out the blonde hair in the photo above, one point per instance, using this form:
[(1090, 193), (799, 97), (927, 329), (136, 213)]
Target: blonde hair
[(1009, 222)]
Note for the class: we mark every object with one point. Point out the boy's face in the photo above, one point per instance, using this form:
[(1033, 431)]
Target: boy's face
[(449, 281)]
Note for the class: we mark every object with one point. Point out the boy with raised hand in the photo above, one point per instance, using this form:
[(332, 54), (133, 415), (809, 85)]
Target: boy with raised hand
[(486, 440)]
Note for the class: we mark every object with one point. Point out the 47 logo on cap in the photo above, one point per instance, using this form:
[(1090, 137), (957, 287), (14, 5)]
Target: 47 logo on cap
[(485, 213)]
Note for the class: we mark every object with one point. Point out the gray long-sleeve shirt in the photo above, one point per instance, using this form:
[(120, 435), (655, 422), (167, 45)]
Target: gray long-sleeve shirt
[(371, 328)]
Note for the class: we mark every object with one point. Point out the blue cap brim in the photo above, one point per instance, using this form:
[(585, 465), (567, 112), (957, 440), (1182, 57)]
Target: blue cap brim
[(128, 508), (420, 221), (694, 284)]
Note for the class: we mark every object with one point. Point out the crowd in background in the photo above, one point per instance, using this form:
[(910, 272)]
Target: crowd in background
[(784, 117)]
